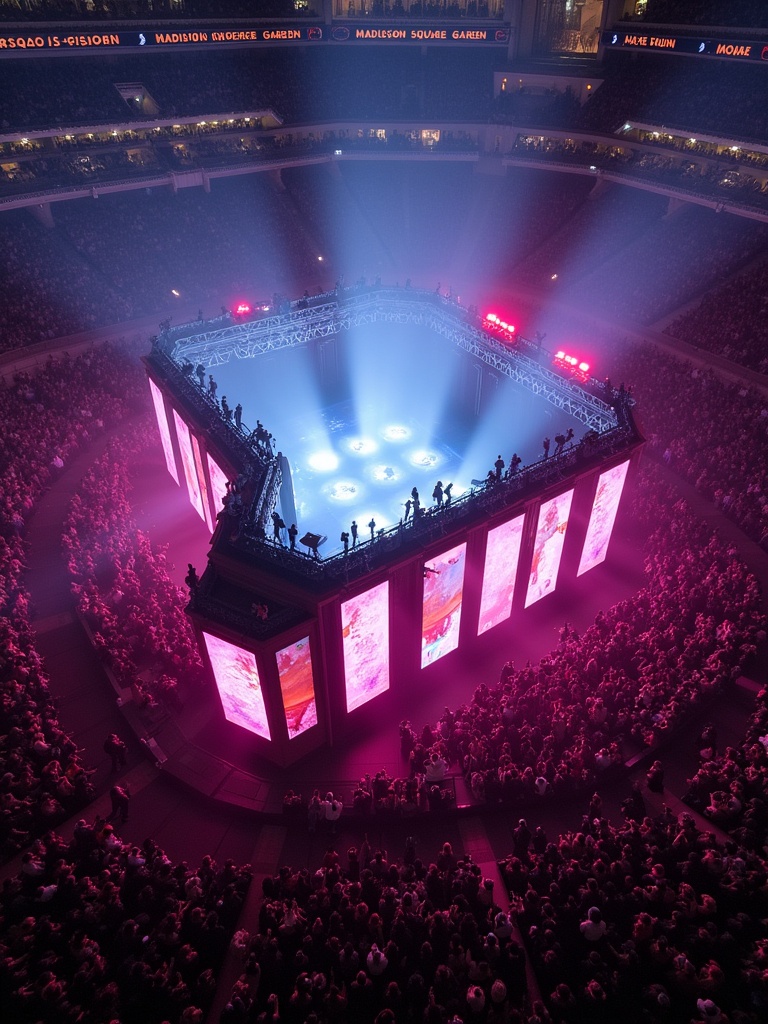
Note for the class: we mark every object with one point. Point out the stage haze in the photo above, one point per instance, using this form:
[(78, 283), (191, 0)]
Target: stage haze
[(365, 416)]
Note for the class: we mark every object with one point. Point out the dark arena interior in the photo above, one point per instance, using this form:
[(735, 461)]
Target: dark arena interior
[(384, 526)]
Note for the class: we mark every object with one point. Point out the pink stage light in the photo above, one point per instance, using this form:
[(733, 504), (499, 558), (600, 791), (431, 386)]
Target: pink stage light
[(575, 364), (242, 309)]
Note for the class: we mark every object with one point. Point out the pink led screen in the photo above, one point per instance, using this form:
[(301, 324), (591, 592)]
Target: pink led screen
[(188, 462), (294, 665), (162, 426), (237, 679), (502, 553), (604, 509), (365, 635), (219, 482), (441, 609), (201, 481), (548, 546)]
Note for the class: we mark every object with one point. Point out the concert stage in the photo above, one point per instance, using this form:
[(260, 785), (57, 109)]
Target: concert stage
[(304, 645)]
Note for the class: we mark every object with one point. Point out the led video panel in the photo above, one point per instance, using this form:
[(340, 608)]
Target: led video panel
[(441, 608), (365, 636), (202, 483), (237, 680), (162, 426), (188, 462), (603, 516), (502, 553), (219, 482), (548, 546), (294, 666)]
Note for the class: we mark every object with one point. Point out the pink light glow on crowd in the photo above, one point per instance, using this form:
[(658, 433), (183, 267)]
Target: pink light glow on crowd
[(603, 516), (239, 686), (162, 426), (441, 608), (365, 633), (548, 546), (502, 554), (294, 665)]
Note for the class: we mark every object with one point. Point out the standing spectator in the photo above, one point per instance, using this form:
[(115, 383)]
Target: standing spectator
[(655, 777), (121, 801), (333, 809), (594, 928), (115, 747)]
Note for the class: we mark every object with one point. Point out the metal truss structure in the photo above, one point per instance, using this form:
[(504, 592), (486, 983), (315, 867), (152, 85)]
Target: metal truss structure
[(328, 315)]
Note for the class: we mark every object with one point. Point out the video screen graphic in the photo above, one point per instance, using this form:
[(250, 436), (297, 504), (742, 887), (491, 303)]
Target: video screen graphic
[(219, 482), (365, 636), (201, 481), (603, 516), (237, 680), (502, 553), (162, 426), (188, 462), (548, 546), (441, 608), (294, 666)]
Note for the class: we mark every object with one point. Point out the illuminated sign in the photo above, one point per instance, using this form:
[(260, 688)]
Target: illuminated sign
[(223, 35), (219, 481), (548, 547), (294, 666), (201, 480), (603, 516), (730, 49), (417, 34), (502, 552), (203, 36), (441, 610), (365, 636), (239, 686), (233, 34), (188, 463), (162, 425)]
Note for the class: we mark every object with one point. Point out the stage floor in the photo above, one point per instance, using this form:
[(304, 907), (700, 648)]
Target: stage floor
[(358, 439)]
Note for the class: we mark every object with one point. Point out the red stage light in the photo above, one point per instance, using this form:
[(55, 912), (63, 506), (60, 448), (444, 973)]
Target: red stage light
[(566, 361), (242, 309)]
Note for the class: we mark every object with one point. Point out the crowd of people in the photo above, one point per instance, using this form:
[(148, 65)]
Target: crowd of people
[(371, 937), (626, 683), (123, 587), (47, 419), (716, 442), (730, 321), (100, 929), (649, 920), (730, 785)]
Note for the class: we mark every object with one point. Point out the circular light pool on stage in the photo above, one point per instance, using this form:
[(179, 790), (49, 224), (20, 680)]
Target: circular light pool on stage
[(361, 445), (343, 490), (324, 462), (396, 432), (424, 459), (386, 474)]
